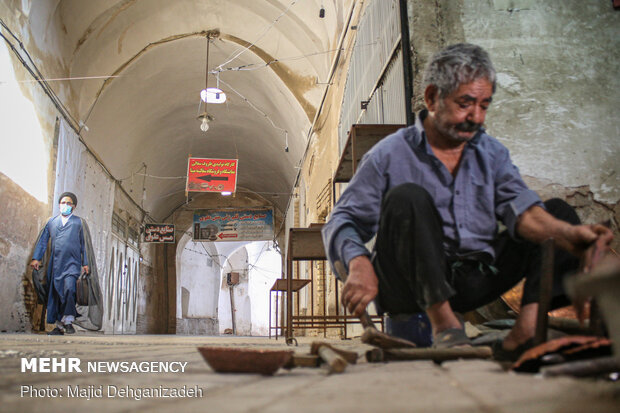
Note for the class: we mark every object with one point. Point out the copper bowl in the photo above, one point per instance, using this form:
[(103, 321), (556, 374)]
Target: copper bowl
[(245, 360)]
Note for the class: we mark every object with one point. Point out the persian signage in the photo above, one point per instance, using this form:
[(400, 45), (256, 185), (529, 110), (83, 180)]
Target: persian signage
[(211, 175), (233, 225), (158, 233)]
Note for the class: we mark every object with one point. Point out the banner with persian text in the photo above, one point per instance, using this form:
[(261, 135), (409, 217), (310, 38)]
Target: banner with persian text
[(233, 225), (159, 233), (211, 175)]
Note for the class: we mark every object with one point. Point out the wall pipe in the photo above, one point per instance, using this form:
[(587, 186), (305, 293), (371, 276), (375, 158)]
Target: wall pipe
[(407, 72)]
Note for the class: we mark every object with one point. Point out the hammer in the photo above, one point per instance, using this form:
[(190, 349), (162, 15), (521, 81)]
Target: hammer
[(335, 362), (436, 354), (349, 356), (371, 335)]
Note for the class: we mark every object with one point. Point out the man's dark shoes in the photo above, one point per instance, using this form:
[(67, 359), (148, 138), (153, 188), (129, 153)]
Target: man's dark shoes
[(69, 329), (452, 337), (56, 332)]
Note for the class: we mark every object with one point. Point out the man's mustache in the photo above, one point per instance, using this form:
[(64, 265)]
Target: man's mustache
[(467, 126)]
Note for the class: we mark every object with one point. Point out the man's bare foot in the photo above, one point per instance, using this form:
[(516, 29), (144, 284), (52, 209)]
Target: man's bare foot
[(442, 317), (524, 328), (512, 341)]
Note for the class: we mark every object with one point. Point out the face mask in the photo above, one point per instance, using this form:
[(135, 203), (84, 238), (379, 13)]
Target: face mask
[(65, 209)]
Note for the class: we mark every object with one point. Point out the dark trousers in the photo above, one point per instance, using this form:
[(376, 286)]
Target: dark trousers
[(62, 302), (67, 306), (414, 271)]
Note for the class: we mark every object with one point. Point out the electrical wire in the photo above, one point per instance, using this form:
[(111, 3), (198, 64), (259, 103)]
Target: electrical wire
[(256, 66), (260, 36), (157, 177), (59, 79), (253, 106)]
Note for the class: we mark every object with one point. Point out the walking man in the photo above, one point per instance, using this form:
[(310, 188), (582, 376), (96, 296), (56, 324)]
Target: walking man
[(67, 259)]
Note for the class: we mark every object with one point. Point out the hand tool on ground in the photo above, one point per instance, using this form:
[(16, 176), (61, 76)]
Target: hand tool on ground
[(436, 354), (349, 356), (303, 360), (371, 335), (583, 368), (336, 364)]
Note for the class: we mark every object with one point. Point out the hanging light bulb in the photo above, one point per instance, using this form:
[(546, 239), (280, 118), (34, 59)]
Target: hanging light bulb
[(204, 118), (204, 126)]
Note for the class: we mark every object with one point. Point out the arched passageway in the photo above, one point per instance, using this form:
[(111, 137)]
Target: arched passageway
[(209, 301)]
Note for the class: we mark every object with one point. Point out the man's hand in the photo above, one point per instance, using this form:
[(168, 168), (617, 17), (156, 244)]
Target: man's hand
[(85, 268), (591, 242), (536, 225), (36, 264), (361, 286), (591, 257)]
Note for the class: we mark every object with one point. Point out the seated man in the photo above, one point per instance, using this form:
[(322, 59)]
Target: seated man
[(432, 193)]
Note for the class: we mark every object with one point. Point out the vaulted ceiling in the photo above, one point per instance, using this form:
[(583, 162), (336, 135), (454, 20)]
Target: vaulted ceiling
[(143, 119)]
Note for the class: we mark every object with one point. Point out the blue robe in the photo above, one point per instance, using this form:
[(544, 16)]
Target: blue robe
[(67, 257)]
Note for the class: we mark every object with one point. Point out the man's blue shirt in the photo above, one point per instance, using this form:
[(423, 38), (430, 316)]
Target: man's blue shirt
[(486, 188)]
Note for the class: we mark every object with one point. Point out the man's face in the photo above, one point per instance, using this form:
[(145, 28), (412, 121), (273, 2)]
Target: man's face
[(64, 203), (459, 115)]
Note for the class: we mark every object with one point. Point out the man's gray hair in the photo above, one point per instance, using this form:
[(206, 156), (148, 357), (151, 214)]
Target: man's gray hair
[(456, 65)]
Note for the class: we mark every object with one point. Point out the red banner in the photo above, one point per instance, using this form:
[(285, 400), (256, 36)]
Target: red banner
[(211, 175)]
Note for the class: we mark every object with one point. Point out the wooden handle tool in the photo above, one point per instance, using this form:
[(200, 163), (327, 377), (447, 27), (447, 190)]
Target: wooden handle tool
[(350, 356), (302, 361), (335, 363), (435, 354)]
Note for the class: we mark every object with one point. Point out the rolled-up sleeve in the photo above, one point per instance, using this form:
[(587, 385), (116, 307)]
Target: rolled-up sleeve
[(512, 196), (349, 245)]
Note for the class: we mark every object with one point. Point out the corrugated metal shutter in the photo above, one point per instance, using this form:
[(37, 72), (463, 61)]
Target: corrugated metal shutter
[(374, 65), (393, 93)]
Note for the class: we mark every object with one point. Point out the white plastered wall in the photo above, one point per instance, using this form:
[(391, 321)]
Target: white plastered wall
[(198, 279), (237, 261), (265, 267)]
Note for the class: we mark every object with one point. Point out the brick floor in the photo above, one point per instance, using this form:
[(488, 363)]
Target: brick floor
[(460, 386)]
